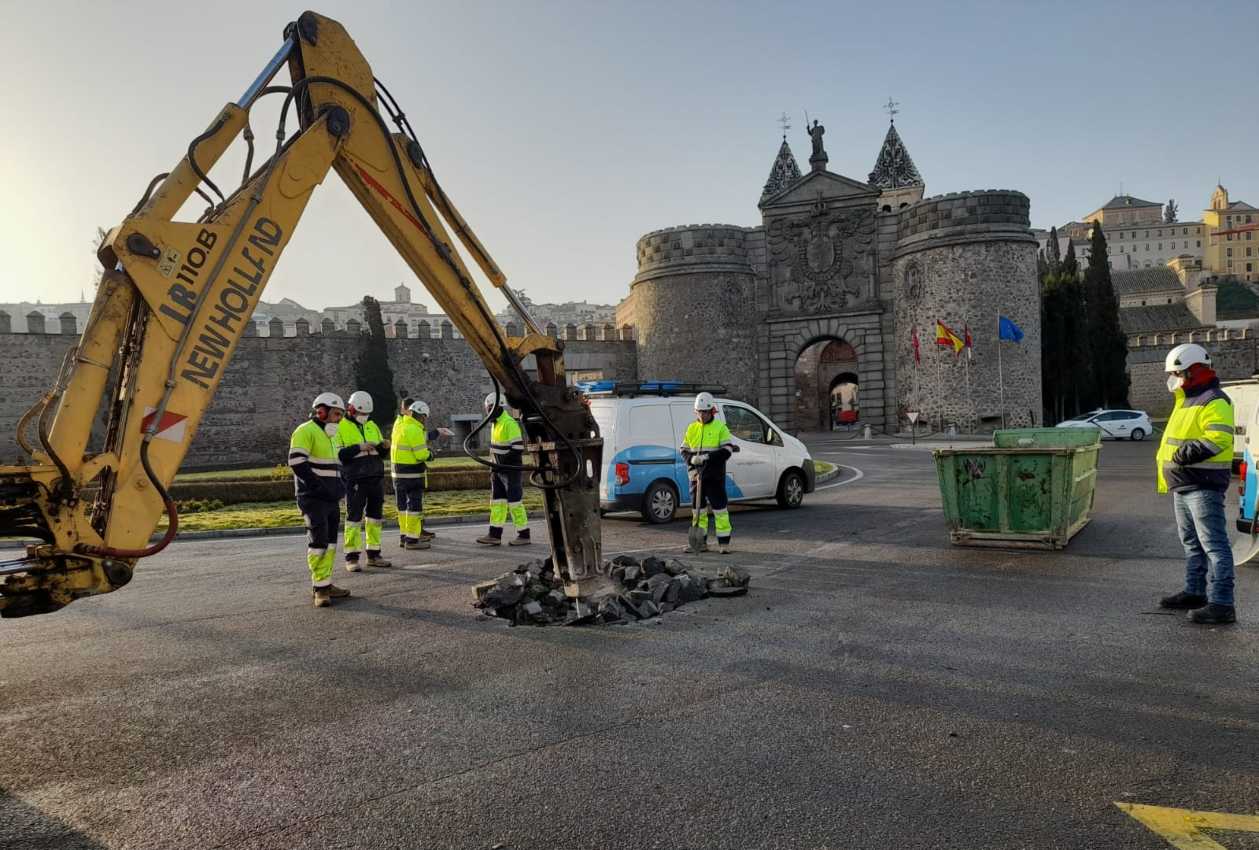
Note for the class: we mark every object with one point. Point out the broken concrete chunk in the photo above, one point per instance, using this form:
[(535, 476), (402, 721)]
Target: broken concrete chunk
[(653, 566), (532, 594)]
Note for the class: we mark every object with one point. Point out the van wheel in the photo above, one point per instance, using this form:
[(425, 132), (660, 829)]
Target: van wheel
[(660, 503), (1137, 434), (791, 490)]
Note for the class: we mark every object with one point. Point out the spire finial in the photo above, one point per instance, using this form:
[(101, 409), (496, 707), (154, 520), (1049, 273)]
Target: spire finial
[(891, 108), (785, 123)]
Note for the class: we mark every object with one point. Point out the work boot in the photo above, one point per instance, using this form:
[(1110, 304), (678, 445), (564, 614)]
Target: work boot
[(1183, 601), (402, 542), (353, 566), (336, 592), (1215, 615), (522, 539), (322, 599), (413, 544), (703, 547), (427, 535), (724, 549), (494, 537), (374, 560)]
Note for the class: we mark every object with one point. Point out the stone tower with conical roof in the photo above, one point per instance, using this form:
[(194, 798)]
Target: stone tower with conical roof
[(895, 175)]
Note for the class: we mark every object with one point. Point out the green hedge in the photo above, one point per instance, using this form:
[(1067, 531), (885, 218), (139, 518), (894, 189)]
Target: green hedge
[(239, 492)]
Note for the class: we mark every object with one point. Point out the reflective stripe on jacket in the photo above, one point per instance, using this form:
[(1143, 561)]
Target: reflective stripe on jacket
[(357, 463), (409, 452), (1196, 452), (712, 439), (507, 441), (316, 470)]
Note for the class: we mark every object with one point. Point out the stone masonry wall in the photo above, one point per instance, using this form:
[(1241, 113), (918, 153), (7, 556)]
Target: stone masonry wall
[(692, 307), (962, 259), (1234, 354), (268, 386)]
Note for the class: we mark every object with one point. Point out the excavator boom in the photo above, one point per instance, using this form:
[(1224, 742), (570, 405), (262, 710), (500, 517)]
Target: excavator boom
[(176, 296)]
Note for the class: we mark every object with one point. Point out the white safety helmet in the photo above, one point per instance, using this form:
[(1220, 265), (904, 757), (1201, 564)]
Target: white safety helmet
[(328, 400), (1185, 355), (419, 408), (361, 401), (705, 401), (490, 401)]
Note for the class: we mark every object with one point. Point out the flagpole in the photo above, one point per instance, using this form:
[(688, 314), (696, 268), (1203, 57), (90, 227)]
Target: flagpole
[(1000, 371), (939, 384), (970, 398)]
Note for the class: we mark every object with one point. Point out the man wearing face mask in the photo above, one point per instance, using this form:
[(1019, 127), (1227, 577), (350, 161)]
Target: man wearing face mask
[(1195, 463), (360, 448), (317, 481)]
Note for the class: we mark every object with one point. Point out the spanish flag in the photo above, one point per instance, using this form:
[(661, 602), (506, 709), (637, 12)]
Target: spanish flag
[(945, 336)]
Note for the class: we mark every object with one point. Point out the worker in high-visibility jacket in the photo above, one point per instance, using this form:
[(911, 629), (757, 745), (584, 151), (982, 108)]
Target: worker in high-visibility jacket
[(705, 448), (507, 448), (360, 448), (410, 457), (1194, 462), (394, 433), (317, 482)]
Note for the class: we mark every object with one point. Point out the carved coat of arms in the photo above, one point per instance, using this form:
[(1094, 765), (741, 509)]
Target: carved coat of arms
[(827, 256)]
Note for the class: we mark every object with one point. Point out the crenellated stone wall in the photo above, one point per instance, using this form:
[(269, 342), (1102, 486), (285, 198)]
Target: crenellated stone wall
[(692, 301), (1234, 355), (963, 259), (268, 385)]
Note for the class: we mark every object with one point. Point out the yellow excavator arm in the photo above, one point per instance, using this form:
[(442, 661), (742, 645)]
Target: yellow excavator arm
[(176, 296)]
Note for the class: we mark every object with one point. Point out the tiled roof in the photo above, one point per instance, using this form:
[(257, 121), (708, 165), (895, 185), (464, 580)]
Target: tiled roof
[(783, 172), (1137, 281), (1158, 318), (894, 167), (1120, 202)]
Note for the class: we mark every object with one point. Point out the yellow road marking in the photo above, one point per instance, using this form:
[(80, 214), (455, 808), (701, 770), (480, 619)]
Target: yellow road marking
[(1181, 827)]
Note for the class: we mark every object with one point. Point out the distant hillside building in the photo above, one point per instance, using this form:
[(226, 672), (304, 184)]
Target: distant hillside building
[(1232, 247)]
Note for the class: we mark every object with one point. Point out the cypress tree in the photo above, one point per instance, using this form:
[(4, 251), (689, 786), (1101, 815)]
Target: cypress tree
[(1053, 255), (1070, 265), (371, 369), (1105, 337)]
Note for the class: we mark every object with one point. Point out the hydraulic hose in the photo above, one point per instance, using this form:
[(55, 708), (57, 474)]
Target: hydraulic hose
[(172, 519)]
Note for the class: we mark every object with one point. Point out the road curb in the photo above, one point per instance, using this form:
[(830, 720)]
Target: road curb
[(829, 476), (286, 530)]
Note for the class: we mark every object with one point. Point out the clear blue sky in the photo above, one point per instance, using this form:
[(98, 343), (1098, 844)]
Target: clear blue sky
[(564, 131)]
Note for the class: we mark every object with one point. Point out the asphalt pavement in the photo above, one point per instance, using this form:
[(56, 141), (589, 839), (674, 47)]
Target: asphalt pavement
[(876, 688)]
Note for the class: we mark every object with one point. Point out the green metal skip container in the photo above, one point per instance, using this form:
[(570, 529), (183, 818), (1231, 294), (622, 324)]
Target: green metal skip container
[(1032, 488)]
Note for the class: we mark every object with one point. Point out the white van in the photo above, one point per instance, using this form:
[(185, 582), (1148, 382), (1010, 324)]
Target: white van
[(642, 427)]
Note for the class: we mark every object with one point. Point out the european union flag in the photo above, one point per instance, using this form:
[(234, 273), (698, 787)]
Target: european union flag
[(1008, 330)]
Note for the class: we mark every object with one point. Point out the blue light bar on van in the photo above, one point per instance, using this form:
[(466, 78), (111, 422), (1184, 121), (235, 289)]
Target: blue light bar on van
[(633, 388)]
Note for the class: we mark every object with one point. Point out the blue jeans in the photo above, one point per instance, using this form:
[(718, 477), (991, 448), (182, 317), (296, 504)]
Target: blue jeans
[(1204, 534)]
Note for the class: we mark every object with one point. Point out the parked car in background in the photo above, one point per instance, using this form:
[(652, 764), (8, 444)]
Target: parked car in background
[(1114, 424)]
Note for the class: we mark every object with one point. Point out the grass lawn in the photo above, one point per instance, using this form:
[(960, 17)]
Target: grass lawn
[(281, 514), (281, 472)]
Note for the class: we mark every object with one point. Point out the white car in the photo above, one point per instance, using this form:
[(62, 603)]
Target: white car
[(642, 426), (1114, 424)]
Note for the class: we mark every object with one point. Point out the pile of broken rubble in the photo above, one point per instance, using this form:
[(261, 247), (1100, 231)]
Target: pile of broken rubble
[(532, 594)]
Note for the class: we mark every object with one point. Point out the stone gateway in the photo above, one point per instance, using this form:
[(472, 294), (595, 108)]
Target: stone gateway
[(834, 285)]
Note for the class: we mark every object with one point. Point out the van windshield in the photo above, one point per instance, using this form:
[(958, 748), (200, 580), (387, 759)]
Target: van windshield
[(605, 414)]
